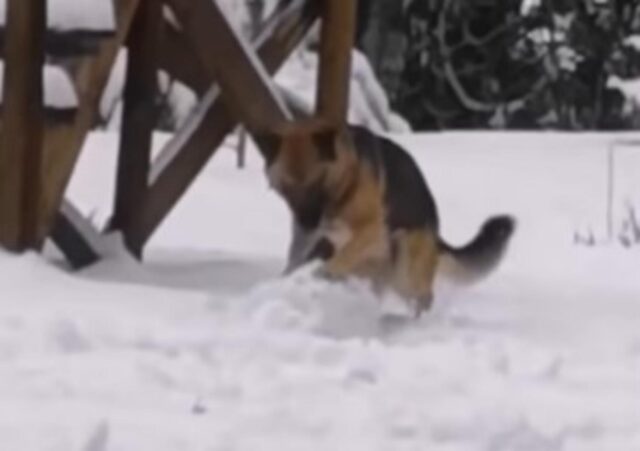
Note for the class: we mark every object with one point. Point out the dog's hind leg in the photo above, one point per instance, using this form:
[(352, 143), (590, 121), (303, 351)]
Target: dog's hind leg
[(415, 261), (364, 253)]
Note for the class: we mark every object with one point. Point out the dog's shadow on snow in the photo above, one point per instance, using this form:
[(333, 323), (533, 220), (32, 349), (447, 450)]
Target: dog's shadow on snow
[(189, 270)]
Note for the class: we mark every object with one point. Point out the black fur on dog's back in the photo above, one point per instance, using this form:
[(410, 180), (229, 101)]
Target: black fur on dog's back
[(409, 203)]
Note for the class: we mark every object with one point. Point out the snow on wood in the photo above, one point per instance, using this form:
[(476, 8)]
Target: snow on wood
[(180, 98), (112, 94), (70, 15), (237, 13), (59, 92), (258, 67), (175, 145)]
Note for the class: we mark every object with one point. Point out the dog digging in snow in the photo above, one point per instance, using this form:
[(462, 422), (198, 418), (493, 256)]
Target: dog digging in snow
[(361, 205)]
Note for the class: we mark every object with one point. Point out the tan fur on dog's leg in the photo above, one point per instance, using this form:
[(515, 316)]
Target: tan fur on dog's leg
[(424, 269), (415, 266), (362, 254)]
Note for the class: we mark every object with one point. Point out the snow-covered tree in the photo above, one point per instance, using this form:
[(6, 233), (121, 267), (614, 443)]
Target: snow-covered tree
[(511, 63)]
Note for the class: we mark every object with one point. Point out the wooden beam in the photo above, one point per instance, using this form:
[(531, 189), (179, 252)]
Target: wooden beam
[(246, 86), (63, 144), (139, 118), (66, 43), (75, 237), (187, 153), (21, 148), (336, 43), (179, 60)]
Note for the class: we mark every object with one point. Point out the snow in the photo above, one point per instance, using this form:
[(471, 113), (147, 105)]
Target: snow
[(59, 92), (207, 347), (630, 88), (527, 5), (111, 101), (181, 99), (179, 96), (69, 15), (633, 41)]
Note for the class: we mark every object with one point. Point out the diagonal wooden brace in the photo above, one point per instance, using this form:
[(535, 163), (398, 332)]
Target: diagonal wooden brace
[(186, 154), (246, 86), (139, 118)]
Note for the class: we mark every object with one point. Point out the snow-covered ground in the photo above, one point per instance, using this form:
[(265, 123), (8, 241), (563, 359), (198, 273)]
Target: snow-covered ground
[(206, 347)]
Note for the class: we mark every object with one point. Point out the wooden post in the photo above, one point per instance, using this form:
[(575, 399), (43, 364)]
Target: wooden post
[(256, 11), (139, 118), (336, 42), (179, 60), (21, 149), (75, 236)]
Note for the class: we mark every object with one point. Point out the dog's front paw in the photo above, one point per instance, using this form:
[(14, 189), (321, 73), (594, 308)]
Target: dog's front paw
[(328, 271)]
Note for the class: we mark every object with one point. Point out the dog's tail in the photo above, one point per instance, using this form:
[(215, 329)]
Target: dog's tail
[(473, 261)]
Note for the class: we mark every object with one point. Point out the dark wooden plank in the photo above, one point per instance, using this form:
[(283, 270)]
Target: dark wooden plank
[(185, 156), (21, 149), (179, 60), (336, 42), (75, 237), (55, 116), (63, 144), (139, 118), (65, 44), (246, 86), (171, 175)]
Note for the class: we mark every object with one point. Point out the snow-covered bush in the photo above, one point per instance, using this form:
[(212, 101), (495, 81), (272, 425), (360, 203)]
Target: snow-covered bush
[(368, 102), (531, 64)]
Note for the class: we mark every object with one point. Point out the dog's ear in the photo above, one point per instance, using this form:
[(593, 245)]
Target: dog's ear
[(269, 143), (325, 142)]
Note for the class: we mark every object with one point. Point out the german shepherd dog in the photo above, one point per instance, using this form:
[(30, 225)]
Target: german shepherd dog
[(361, 205)]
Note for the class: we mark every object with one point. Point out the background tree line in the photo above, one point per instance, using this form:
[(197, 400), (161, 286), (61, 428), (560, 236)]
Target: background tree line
[(563, 64)]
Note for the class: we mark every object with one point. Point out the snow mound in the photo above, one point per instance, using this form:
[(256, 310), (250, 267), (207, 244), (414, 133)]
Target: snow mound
[(302, 302)]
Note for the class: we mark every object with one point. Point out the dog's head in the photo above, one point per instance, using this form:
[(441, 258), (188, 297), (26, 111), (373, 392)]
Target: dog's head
[(300, 160)]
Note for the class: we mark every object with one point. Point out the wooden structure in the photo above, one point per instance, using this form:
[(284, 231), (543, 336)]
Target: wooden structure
[(194, 43)]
